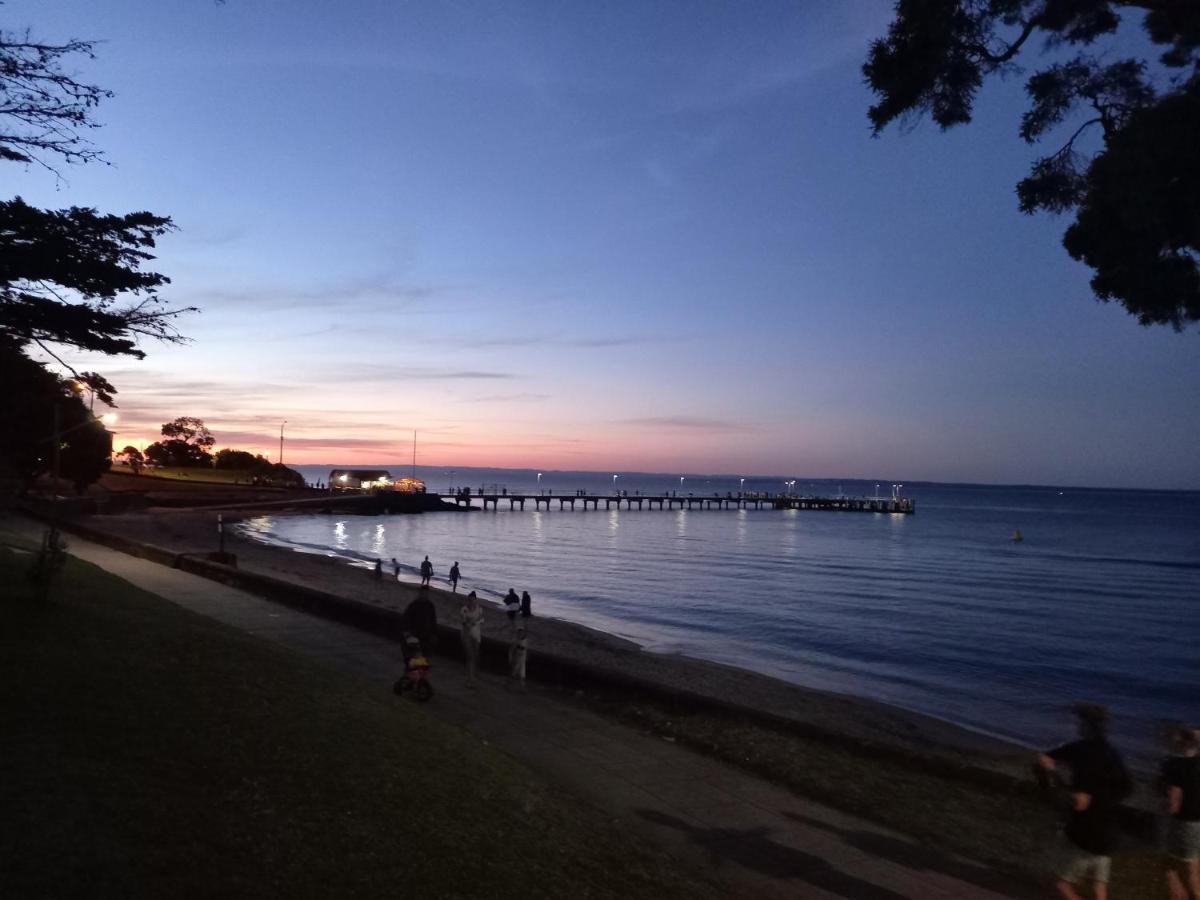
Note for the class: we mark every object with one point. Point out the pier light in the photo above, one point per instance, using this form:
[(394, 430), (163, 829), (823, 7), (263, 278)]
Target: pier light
[(741, 483)]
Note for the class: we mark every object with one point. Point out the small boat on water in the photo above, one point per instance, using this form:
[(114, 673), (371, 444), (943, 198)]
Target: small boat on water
[(1016, 536)]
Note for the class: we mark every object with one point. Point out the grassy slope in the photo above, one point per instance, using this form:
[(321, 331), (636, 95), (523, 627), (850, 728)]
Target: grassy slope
[(149, 751), (192, 476)]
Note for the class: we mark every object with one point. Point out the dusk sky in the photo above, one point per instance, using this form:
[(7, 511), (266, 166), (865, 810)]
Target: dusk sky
[(618, 236)]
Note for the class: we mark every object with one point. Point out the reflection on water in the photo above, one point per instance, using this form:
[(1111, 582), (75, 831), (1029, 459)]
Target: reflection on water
[(938, 612)]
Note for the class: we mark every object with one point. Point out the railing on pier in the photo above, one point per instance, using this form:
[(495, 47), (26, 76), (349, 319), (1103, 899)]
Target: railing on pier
[(672, 499)]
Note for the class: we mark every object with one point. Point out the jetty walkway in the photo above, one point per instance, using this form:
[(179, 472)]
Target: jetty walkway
[(900, 505)]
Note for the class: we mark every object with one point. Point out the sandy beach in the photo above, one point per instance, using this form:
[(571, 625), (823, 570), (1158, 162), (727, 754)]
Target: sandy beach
[(194, 531)]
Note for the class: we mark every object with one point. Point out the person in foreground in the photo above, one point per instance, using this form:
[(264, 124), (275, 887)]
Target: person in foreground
[(1099, 782), (1181, 789)]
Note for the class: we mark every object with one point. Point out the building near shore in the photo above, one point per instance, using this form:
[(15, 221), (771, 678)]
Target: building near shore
[(359, 479), (373, 480)]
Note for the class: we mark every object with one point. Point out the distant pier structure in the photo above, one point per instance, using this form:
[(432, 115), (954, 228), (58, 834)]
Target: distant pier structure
[(670, 500)]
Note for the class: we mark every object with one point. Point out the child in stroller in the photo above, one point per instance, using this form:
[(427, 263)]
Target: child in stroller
[(416, 670)]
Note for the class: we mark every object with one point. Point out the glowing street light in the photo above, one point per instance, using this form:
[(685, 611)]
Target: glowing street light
[(614, 484), (741, 484), (539, 485)]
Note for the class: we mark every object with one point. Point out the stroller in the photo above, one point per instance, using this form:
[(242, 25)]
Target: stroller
[(416, 671)]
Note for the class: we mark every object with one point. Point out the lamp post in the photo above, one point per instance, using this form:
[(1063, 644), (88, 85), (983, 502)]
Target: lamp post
[(281, 424), (741, 485), (539, 483), (614, 484)]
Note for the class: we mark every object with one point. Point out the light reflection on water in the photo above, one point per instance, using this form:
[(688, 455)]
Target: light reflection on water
[(938, 612)]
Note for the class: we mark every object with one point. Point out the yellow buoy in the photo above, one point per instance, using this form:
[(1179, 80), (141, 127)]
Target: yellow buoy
[(1017, 536)]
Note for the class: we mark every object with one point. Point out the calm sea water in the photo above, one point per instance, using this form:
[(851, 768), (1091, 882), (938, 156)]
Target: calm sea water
[(939, 612)]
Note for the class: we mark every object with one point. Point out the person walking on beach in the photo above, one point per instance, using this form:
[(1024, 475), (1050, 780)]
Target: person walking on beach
[(1181, 787), (420, 620), (396, 568), (526, 605), (426, 572), (512, 605), (472, 627), (517, 652), (1099, 782), (454, 575), (378, 569)]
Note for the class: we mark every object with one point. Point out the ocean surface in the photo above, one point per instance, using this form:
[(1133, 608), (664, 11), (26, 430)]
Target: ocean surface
[(939, 612)]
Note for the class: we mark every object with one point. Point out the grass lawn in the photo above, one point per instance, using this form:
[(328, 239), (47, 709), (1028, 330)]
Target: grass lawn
[(151, 752), (198, 476)]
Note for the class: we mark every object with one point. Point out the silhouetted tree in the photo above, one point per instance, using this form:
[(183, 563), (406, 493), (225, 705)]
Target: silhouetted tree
[(27, 403), (134, 457), (62, 272), (239, 460), (187, 444), (69, 277), (1136, 197)]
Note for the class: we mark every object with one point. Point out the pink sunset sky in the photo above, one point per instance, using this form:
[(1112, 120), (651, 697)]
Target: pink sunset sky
[(617, 237)]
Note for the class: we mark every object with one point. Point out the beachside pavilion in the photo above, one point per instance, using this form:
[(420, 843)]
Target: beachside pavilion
[(372, 480), (359, 479)]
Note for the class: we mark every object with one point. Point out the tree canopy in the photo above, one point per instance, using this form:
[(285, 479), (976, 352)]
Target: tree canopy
[(64, 273), (187, 443), (1135, 191), (71, 277), (27, 404)]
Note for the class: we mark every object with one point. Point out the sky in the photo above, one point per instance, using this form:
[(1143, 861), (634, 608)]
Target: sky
[(624, 236)]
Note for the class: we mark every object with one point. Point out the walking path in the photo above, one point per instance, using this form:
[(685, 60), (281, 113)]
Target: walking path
[(757, 839)]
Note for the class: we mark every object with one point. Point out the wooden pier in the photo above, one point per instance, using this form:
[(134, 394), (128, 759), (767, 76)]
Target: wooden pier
[(890, 505)]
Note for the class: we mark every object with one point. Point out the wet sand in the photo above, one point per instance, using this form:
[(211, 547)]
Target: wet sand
[(192, 531)]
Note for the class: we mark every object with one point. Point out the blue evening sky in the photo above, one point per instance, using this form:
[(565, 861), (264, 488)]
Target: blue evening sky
[(627, 236)]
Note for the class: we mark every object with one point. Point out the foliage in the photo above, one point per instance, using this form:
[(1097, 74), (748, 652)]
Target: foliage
[(98, 386), (191, 430), (133, 457), (187, 444), (281, 476), (27, 404), (177, 453), (43, 106), (61, 272), (1136, 198), (243, 460)]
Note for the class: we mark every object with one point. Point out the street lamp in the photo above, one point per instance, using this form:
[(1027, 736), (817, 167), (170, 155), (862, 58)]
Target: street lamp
[(741, 485), (281, 424), (539, 486), (614, 484)]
